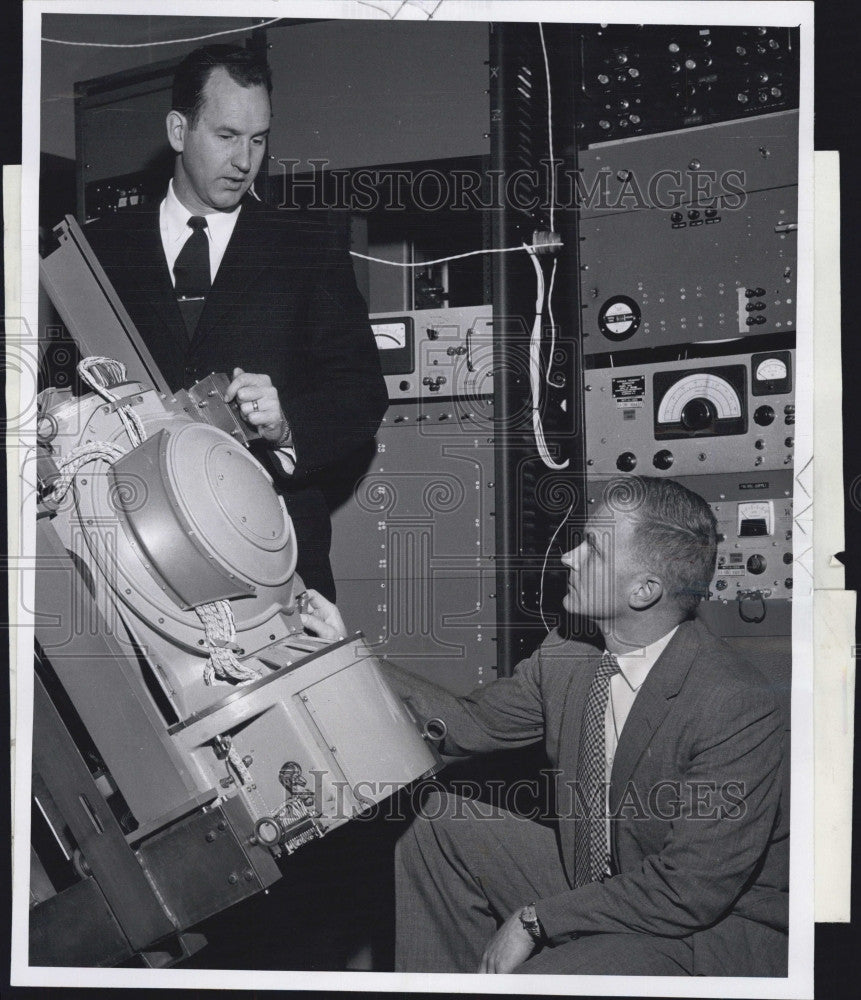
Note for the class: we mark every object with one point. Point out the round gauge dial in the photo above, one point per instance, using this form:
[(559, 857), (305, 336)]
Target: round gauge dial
[(692, 395), (770, 370)]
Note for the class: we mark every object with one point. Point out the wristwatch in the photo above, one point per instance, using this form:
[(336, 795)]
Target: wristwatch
[(286, 438), (531, 924)]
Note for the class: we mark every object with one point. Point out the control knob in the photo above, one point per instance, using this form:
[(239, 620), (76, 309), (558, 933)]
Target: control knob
[(698, 414), (756, 564)]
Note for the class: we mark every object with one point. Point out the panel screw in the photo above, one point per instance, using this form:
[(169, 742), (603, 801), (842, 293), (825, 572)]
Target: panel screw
[(233, 878)]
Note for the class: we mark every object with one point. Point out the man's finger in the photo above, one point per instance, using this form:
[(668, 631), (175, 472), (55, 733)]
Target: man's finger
[(252, 380), (231, 389), (256, 390), (258, 404)]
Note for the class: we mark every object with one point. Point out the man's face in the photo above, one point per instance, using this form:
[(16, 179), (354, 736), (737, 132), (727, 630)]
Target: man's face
[(222, 152), (603, 568)]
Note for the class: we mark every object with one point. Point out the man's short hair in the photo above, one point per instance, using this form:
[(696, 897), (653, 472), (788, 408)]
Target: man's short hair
[(244, 66), (675, 534)]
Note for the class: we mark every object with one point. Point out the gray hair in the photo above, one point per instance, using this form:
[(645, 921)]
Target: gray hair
[(675, 534)]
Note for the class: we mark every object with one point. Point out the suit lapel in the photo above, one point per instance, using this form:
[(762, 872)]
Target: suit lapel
[(244, 260), (151, 276), (651, 705), (572, 710)]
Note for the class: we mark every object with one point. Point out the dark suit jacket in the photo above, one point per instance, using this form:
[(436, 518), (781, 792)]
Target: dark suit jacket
[(284, 303), (700, 846)]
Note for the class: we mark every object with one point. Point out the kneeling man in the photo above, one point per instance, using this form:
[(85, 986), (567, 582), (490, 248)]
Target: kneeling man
[(668, 850)]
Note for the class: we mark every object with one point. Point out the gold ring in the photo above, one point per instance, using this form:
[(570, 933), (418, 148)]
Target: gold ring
[(254, 405)]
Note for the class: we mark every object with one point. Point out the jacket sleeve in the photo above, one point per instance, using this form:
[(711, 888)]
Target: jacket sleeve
[(711, 849), (337, 406), (505, 714)]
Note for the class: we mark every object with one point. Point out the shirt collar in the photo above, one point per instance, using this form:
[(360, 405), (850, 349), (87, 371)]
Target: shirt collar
[(635, 666), (175, 219)]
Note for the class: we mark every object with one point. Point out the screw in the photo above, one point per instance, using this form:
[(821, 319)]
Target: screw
[(233, 878)]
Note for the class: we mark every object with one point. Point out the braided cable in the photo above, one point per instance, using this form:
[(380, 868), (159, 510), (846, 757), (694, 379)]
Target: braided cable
[(78, 457), (100, 374), (219, 627)]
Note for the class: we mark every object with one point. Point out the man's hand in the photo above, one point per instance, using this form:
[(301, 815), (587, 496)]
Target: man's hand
[(509, 947), (321, 616), (258, 403)]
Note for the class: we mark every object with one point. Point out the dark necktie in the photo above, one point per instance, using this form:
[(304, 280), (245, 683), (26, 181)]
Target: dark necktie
[(592, 852), (191, 271)]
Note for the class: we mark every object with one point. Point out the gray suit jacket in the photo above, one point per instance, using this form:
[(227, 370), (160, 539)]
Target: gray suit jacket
[(699, 844)]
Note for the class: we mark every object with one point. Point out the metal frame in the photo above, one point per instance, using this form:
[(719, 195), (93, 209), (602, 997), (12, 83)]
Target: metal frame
[(519, 142)]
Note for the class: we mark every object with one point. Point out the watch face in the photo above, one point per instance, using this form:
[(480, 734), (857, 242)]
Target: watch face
[(529, 919)]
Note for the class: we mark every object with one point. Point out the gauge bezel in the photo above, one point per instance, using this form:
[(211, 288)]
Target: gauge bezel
[(397, 360), (770, 387)]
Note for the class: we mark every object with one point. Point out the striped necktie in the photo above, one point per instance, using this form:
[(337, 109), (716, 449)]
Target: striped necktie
[(591, 850)]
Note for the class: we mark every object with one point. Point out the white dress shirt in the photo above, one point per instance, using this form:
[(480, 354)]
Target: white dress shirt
[(634, 668), (173, 219)]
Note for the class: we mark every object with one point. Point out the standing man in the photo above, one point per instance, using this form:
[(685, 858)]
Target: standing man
[(667, 850), (215, 280)]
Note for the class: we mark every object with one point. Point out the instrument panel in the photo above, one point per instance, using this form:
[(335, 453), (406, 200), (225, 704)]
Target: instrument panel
[(732, 414), (690, 237), (429, 354)]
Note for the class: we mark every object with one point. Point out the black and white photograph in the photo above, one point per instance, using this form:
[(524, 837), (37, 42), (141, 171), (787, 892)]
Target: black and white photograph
[(415, 491)]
